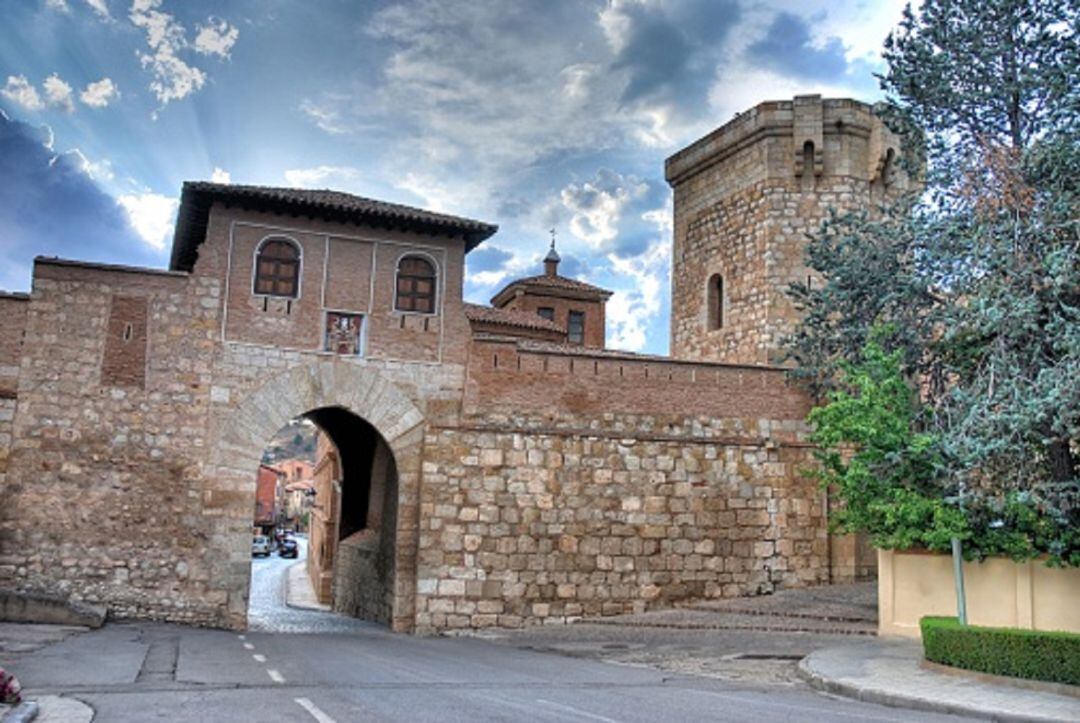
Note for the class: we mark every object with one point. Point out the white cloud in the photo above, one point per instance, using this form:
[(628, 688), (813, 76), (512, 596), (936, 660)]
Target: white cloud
[(100, 93), (151, 215), (446, 195), (19, 90), (325, 116), (216, 38), (630, 311), (99, 7), (220, 175), (597, 205), (174, 78), (99, 171), (321, 176)]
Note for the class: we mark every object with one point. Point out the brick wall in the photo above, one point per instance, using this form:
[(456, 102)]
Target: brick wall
[(594, 335), (336, 275), (585, 383)]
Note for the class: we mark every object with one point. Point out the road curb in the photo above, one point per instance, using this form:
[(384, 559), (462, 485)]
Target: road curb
[(288, 592), (745, 627), (22, 713), (894, 700)]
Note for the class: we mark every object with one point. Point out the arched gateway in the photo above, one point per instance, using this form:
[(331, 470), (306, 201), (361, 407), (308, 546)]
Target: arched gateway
[(358, 391), (563, 479)]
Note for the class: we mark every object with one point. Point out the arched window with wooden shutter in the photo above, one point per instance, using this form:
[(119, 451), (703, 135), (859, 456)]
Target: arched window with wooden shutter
[(277, 268), (416, 285)]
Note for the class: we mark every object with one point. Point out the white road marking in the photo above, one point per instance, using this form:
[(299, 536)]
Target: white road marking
[(316, 713), (275, 676), (241, 637), (259, 658), (575, 711), (248, 646)]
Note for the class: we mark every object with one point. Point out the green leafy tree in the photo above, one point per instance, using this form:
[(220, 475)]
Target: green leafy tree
[(978, 280), (882, 468)]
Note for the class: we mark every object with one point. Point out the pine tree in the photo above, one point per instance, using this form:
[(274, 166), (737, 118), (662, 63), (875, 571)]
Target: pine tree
[(978, 280)]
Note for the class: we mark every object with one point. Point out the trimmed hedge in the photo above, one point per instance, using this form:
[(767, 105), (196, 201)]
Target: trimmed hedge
[(1033, 654)]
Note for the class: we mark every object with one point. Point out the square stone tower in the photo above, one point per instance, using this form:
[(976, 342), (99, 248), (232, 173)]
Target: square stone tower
[(746, 196)]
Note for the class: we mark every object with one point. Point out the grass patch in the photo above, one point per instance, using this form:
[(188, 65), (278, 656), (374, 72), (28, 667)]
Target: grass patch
[(1033, 654)]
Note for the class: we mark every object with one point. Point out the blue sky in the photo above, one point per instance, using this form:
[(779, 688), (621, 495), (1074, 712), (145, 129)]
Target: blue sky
[(528, 114)]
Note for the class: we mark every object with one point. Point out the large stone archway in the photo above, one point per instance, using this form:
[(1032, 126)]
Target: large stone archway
[(240, 437)]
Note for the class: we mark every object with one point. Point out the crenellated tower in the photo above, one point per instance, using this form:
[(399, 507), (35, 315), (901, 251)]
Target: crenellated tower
[(746, 196)]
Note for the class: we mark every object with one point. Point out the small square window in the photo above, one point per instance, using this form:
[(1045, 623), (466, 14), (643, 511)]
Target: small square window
[(546, 312)]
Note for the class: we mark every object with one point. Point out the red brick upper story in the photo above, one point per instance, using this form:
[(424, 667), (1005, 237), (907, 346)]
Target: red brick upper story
[(330, 272)]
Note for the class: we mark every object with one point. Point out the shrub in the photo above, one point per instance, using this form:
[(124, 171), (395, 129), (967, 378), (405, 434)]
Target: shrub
[(1033, 654)]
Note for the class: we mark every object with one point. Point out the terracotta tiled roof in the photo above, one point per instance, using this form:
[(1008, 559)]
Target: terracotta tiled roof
[(509, 317), (553, 283), (197, 197)]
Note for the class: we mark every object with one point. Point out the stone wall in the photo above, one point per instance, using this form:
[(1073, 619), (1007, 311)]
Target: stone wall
[(7, 416), (12, 323), (546, 485), (101, 500), (525, 521), (601, 483), (363, 575), (532, 482)]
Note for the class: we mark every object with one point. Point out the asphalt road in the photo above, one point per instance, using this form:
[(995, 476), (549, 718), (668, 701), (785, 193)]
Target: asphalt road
[(351, 671)]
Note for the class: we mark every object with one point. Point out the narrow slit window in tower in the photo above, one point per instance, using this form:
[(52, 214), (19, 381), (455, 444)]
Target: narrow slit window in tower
[(715, 300)]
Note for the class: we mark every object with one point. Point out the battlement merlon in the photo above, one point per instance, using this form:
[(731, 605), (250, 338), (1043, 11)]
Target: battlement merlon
[(808, 119)]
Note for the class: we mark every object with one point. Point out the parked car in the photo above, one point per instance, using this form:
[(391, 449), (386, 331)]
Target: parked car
[(260, 546), (288, 548)]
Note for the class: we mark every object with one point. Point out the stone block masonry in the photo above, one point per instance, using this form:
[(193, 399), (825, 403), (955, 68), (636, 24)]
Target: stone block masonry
[(524, 522), (746, 197)]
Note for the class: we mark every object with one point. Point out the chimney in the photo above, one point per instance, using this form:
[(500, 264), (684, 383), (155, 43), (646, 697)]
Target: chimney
[(551, 261)]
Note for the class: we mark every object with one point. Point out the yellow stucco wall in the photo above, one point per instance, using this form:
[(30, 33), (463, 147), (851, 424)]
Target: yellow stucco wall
[(1000, 593)]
